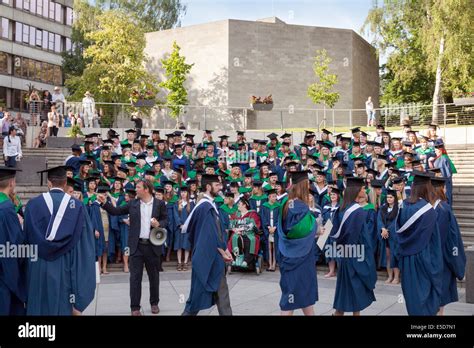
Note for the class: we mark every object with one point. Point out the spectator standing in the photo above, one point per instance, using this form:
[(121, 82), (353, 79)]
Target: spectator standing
[(59, 100), (7, 122), (12, 148), (95, 120), (53, 121), (138, 124), (35, 106), (22, 126), (369, 109), (47, 101), (88, 106)]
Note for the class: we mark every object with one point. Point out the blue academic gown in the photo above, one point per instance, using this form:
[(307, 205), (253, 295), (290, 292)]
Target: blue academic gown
[(355, 278), (93, 209), (442, 162), (391, 242), (181, 240), (64, 274), (265, 216), (327, 213), (74, 162), (420, 260), (172, 226), (12, 270), (298, 281), (208, 268), (454, 258), (115, 231)]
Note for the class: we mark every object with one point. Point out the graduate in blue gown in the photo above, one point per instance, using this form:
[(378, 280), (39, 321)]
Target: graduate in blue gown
[(356, 275), (117, 198), (447, 167), (62, 281), (209, 253), (296, 231), (386, 232), (420, 256), (12, 270), (171, 200), (227, 211), (124, 223), (269, 217), (327, 213), (181, 240), (454, 258)]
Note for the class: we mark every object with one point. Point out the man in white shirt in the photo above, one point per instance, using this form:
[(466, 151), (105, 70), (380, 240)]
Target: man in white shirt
[(369, 109), (58, 99), (12, 148), (88, 106), (146, 213)]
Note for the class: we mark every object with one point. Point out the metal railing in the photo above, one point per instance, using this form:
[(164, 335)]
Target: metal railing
[(225, 118)]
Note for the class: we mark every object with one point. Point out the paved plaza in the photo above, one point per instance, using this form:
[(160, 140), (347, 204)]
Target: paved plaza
[(250, 294)]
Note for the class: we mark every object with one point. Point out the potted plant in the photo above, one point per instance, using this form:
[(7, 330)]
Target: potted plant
[(75, 132), (142, 97), (259, 104)]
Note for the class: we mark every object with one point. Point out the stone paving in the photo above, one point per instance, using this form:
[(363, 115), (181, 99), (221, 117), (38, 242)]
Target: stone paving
[(250, 294)]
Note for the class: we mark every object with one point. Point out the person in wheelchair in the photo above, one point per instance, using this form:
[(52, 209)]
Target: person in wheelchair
[(244, 240)]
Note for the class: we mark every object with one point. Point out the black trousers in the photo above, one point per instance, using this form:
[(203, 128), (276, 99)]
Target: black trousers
[(245, 249), (144, 256), (53, 131)]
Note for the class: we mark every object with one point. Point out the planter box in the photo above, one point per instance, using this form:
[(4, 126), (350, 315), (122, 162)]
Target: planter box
[(464, 101), (62, 142), (144, 103), (262, 107)]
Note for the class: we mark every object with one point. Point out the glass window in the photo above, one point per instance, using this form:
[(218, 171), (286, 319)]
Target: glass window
[(24, 67), (18, 32), (39, 37), (45, 40), (51, 10), (17, 66), (6, 2), (32, 36), (51, 41), (33, 6), (69, 16), (3, 96), (45, 8), (5, 28), (26, 33), (16, 99), (57, 75), (3, 63), (44, 72), (19, 4), (57, 43), (68, 45), (31, 69), (26, 5), (39, 7), (58, 16), (38, 71)]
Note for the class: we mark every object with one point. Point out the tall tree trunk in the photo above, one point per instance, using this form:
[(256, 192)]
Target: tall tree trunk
[(436, 94)]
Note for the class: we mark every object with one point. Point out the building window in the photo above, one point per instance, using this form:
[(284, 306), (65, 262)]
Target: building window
[(57, 43), (3, 63), (17, 66), (33, 6), (32, 36), (3, 96), (38, 72), (7, 2), (51, 10), (45, 40), (26, 33), (26, 5), (19, 4), (51, 41), (39, 7), (45, 8), (39, 38), (68, 45), (18, 32), (4, 29), (69, 16), (19, 102), (58, 16)]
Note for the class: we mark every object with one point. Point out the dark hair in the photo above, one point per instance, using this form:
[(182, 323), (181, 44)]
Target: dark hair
[(438, 193), (147, 185), (246, 202), (424, 190), (386, 216), (299, 190), (55, 182), (350, 195)]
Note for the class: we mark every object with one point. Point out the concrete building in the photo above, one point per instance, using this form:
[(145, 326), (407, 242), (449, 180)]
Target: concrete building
[(33, 35), (235, 59)]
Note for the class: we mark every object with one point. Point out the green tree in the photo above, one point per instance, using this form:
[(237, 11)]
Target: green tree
[(176, 71), (429, 48), (322, 90), (116, 59), (153, 14)]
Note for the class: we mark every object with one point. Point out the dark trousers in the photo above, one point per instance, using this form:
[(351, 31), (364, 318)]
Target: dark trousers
[(11, 162), (244, 248), (53, 131), (144, 256), (222, 300)]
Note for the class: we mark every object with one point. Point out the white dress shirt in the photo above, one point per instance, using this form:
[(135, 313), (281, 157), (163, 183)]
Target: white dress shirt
[(145, 218), (12, 146)]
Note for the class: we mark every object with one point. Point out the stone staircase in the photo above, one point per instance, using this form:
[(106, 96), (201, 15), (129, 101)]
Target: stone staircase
[(462, 156)]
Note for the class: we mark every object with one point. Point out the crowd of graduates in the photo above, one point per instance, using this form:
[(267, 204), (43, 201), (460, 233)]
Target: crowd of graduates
[(255, 180)]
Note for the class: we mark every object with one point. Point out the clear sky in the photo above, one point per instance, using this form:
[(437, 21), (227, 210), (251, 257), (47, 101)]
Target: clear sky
[(348, 14)]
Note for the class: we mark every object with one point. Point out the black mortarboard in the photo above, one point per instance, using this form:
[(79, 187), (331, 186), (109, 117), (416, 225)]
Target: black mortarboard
[(398, 180), (298, 176), (257, 183), (391, 193), (76, 147), (355, 130), (141, 156), (103, 189), (8, 173), (150, 172), (420, 178), (208, 131), (240, 132), (355, 182), (209, 179), (285, 135), (130, 131), (155, 131), (131, 191), (55, 173), (433, 126), (272, 136), (223, 137), (380, 126), (438, 181), (325, 131)]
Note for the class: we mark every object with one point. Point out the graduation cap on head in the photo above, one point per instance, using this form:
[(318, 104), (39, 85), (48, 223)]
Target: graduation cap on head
[(141, 156), (131, 164), (355, 130), (8, 173), (234, 184), (178, 146), (392, 193), (348, 139), (272, 174), (335, 190), (85, 162), (372, 171), (222, 137), (298, 176), (397, 138), (167, 182), (325, 131), (420, 178), (150, 147), (433, 126), (170, 135), (355, 182), (407, 143), (130, 131), (272, 136), (103, 189), (249, 174), (291, 163), (435, 170), (229, 194), (240, 133), (398, 180), (209, 179), (54, 173), (364, 133), (178, 133), (112, 131), (136, 141), (325, 144), (76, 148), (235, 164), (286, 143), (144, 136), (355, 143), (285, 135), (439, 144), (257, 183), (155, 131), (131, 191), (150, 172), (375, 143), (382, 158), (123, 169), (208, 131), (377, 183), (126, 147), (116, 178), (380, 126), (188, 135), (438, 181), (361, 165)]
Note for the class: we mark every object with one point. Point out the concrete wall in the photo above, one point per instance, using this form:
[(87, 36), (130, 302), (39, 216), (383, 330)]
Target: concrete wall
[(235, 59)]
